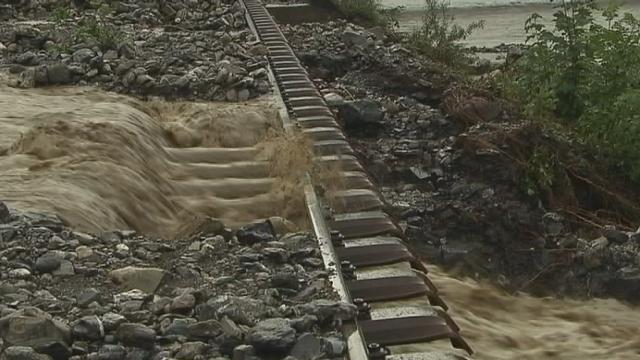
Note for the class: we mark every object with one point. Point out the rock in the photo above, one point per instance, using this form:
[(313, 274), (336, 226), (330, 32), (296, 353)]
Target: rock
[(361, 115), (112, 321), (243, 310), (87, 296), (232, 95), (208, 329), (48, 262), (19, 273), (255, 233), (272, 336), (334, 347), (596, 251), (138, 354), (552, 223), (138, 335), (304, 323), (179, 327), (287, 280), (58, 74), (190, 350), (334, 100), (243, 352), (243, 95), (23, 353), (614, 235), (84, 252), (28, 58), (88, 328), (5, 215), (183, 303), (112, 352), (329, 310), (33, 327), (277, 255), (83, 56), (307, 347), (351, 37), (145, 279), (65, 269)]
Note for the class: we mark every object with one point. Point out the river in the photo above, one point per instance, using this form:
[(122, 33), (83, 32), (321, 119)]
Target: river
[(504, 19)]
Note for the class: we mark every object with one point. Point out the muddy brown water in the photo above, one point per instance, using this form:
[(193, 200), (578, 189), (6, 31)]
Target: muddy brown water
[(105, 161)]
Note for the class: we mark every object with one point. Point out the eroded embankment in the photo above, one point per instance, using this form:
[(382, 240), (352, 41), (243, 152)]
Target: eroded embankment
[(103, 161)]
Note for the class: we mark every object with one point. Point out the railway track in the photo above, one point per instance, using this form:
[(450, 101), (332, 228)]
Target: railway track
[(400, 313)]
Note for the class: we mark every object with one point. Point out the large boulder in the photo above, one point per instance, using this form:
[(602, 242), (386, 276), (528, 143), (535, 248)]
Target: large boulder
[(361, 116), (272, 336), (35, 328), (131, 277)]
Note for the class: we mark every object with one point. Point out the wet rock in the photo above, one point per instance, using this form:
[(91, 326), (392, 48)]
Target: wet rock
[(287, 280), (614, 235), (83, 55), (361, 116), (334, 347), (304, 323), (33, 327), (66, 269), (595, 253), (23, 353), (137, 335), (190, 350), (255, 233), (88, 328), (351, 37), (553, 224), (272, 336), (208, 329), (28, 58), (111, 321), (243, 352), (145, 279), (329, 310), (183, 303), (112, 352), (5, 215), (58, 74), (334, 100), (48, 262), (307, 347)]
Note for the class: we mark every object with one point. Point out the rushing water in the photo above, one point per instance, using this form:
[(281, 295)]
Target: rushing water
[(504, 19), (105, 161)]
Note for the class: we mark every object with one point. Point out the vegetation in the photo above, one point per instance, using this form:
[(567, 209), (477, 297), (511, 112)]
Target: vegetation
[(369, 11), (60, 14), (585, 73), (439, 37), (105, 35)]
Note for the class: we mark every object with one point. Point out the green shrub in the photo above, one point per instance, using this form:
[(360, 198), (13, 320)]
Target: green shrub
[(439, 37), (105, 35), (60, 14), (585, 70)]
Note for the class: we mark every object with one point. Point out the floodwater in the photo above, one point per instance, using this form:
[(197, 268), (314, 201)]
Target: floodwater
[(504, 20), (105, 161)]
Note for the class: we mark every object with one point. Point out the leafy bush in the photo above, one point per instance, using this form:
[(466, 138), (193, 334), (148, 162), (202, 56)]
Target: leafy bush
[(105, 35), (438, 36), (60, 14), (585, 70)]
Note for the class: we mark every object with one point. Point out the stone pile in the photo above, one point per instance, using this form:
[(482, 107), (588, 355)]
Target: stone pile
[(217, 294), (176, 50)]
